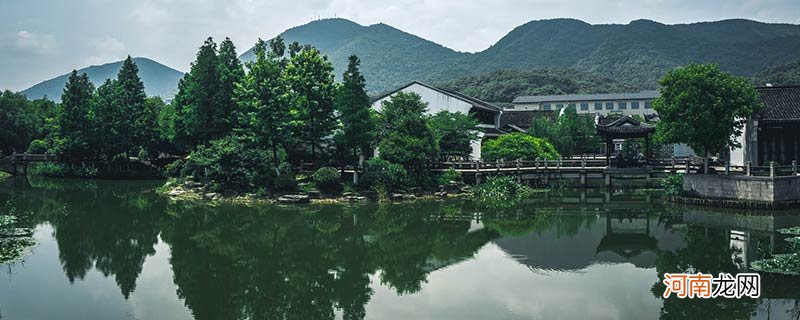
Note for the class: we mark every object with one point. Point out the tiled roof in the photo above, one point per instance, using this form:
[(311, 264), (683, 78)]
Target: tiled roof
[(644, 95), (623, 126), (523, 119), (781, 104)]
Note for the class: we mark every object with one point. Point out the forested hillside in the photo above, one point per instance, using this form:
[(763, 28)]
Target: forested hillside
[(639, 52), (505, 85), (780, 75)]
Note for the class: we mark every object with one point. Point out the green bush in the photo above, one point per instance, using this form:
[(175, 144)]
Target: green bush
[(673, 184), (48, 169), (500, 192), (286, 181), (327, 179), (37, 146), (379, 173), (174, 169), (450, 175), (518, 146), (231, 163)]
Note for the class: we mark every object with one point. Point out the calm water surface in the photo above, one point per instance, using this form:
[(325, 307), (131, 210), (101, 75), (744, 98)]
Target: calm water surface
[(116, 250)]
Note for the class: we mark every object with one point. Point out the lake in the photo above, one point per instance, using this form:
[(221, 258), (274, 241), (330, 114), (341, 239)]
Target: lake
[(117, 250)]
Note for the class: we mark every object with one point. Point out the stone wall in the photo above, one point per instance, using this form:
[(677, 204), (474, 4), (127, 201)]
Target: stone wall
[(718, 186)]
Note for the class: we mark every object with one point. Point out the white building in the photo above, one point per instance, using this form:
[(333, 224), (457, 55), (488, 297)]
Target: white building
[(439, 99), (638, 103)]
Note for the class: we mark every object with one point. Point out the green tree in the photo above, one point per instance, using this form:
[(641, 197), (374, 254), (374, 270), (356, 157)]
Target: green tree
[(264, 98), (518, 146), (454, 132), (353, 105), (74, 118), (406, 138), (575, 134), (231, 72), (108, 115), (18, 122), (309, 74), (196, 100), (701, 105), (134, 120)]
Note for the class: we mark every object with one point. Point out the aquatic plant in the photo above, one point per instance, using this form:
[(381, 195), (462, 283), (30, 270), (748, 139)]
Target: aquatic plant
[(500, 192), (788, 263)]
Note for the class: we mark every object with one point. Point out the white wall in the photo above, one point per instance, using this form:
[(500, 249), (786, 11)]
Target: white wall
[(436, 100), (641, 111)]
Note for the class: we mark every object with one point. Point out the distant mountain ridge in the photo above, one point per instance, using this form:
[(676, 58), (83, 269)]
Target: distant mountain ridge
[(159, 80), (639, 52)]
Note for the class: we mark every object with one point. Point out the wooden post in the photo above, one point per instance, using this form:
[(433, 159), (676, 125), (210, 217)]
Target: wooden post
[(519, 172), (688, 166), (545, 163), (537, 163), (794, 167), (497, 165), (727, 167), (747, 169), (583, 163), (558, 163), (477, 172), (772, 169)]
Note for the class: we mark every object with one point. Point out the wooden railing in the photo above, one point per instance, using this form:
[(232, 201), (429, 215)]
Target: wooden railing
[(771, 170)]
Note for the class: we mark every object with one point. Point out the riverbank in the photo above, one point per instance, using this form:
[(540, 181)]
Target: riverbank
[(195, 191)]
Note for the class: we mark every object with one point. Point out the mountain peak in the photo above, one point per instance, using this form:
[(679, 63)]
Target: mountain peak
[(159, 80)]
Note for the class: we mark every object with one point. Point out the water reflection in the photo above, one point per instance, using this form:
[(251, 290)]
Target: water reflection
[(325, 262)]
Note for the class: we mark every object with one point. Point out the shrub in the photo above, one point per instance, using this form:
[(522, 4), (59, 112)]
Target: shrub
[(230, 162), (673, 184), (327, 179), (379, 173), (518, 146), (174, 169), (500, 192), (37, 146), (286, 180), (450, 175), (48, 169)]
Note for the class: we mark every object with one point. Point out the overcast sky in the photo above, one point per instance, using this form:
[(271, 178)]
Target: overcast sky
[(41, 39)]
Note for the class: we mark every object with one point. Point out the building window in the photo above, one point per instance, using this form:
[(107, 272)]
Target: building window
[(609, 106), (635, 105), (598, 106), (647, 105), (546, 106), (559, 106), (571, 105), (623, 105), (584, 106)]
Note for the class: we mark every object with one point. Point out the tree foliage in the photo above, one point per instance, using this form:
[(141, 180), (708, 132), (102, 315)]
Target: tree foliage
[(406, 138), (454, 132), (701, 106), (518, 146), (18, 122), (353, 106), (75, 118)]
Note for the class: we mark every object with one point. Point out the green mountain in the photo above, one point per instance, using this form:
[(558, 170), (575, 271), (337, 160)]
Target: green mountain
[(505, 85), (159, 80), (389, 57), (639, 52), (781, 75)]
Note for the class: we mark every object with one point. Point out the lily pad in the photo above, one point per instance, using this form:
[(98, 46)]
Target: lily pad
[(787, 264), (792, 231), (6, 220), (15, 232), (15, 248)]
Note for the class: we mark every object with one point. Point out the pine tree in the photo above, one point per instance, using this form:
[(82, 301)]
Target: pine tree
[(107, 114), (263, 97), (353, 105), (132, 117), (231, 72), (197, 98), (310, 77), (74, 118)]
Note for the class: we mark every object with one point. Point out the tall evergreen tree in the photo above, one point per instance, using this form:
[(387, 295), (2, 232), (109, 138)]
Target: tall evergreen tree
[(197, 98), (353, 105), (310, 77), (133, 118), (263, 97), (231, 72), (75, 119), (107, 115)]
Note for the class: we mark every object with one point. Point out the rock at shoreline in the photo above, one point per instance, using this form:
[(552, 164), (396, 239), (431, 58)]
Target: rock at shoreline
[(294, 199), (441, 194), (177, 192), (354, 198), (192, 184), (314, 194), (402, 196), (211, 196)]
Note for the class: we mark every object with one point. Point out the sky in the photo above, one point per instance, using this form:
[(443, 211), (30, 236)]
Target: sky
[(41, 39)]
